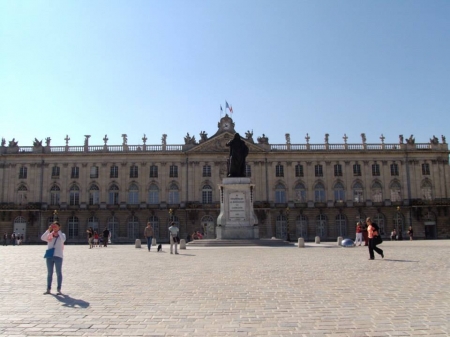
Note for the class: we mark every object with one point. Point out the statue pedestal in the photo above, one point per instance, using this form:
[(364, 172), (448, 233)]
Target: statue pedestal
[(237, 219)]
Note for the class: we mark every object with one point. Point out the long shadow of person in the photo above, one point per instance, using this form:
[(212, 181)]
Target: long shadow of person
[(71, 302)]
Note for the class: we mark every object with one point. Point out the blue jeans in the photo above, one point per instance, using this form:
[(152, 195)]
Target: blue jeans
[(149, 242), (57, 262)]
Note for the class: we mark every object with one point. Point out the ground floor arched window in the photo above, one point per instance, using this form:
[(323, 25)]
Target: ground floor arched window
[(341, 225), (321, 226), (301, 226), (133, 228), (113, 226), (73, 225), (281, 227), (154, 222)]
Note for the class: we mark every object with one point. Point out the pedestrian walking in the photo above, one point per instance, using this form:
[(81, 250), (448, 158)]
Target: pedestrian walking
[(105, 236), (5, 239), (55, 239), (373, 232), (359, 234), (410, 233), (148, 234), (173, 237)]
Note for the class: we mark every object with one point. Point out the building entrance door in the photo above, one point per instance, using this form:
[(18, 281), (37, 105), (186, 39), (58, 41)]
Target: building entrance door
[(208, 227), (20, 227), (430, 229)]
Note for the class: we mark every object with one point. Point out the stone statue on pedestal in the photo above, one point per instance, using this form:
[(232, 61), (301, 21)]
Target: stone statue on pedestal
[(238, 153)]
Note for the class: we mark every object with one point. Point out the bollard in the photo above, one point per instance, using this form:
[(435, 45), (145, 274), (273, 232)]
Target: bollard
[(137, 244), (182, 244), (339, 240), (317, 239), (153, 242), (301, 243)]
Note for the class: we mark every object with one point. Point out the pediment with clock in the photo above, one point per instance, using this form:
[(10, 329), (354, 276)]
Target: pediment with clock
[(218, 144)]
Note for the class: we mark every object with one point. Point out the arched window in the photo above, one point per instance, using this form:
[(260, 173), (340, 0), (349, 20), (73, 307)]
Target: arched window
[(426, 190), (341, 225), (133, 195), (94, 223), (358, 192), (73, 227), (154, 222), (74, 195), (301, 226), (207, 194), (339, 192), (300, 193), (94, 195), (377, 192), (113, 226), (55, 195), (399, 222), (133, 227), (174, 194), (321, 227), (379, 220), (22, 194), (281, 227), (208, 227), (280, 194), (113, 195), (153, 194), (396, 192), (319, 193)]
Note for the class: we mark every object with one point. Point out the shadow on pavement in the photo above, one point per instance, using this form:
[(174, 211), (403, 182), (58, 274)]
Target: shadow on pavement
[(392, 260), (71, 302)]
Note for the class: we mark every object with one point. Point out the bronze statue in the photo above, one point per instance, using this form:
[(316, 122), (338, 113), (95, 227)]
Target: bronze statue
[(238, 153)]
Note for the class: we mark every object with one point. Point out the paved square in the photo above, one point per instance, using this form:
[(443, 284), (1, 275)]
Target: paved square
[(321, 290)]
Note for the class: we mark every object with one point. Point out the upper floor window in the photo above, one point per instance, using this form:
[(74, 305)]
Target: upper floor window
[(426, 169), (206, 170), (153, 194), (173, 171), (55, 195), (279, 170), (300, 193), (207, 194), (338, 170), (394, 169), (94, 195), (154, 171), (299, 170), (339, 192), (376, 169), (134, 171), (174, 194), (357, 170), (74, 195), (396, 192), (75, 173), (133, 194), (55, 172), (377, 192), (318, 170), (248, 170), (23, 172), (280, 194), (94, 172), (319, 193), (114, 171), (113, 195), (358, 192)]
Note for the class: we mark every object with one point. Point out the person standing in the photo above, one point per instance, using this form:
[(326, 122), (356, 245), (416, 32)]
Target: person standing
[(358, 234), (148, 233), (90, 233), (173, 237), (13, 238), (5, 239), (393, 235), (373, 232), (55, 239), (105, 237), (410, 233)]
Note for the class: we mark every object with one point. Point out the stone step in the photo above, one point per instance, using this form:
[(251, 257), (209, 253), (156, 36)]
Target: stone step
[(237, 242)]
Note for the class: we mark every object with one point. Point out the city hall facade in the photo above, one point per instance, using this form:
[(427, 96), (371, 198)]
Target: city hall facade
[(300, 190)]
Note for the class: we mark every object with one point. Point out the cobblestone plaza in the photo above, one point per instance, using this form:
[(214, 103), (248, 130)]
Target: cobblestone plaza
[(321, 290)]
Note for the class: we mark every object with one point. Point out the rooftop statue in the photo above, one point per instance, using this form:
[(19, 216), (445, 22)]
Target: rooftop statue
[(37, 143), (238, 153)]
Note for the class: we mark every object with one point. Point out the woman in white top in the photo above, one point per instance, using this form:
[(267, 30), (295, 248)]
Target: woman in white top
[(55, 239)]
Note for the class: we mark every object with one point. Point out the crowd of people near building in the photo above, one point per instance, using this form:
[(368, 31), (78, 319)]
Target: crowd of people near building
[(13, 239)]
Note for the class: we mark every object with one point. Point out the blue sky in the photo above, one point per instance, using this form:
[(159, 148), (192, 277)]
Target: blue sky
[(289, 66)]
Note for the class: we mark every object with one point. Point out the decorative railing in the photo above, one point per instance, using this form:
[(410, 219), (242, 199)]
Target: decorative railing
[(181, 148)]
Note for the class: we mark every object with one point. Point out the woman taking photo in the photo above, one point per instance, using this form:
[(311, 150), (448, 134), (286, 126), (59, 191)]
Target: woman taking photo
[(55, 239)]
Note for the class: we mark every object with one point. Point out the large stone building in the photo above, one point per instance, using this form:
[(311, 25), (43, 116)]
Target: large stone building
[(301, 190)]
